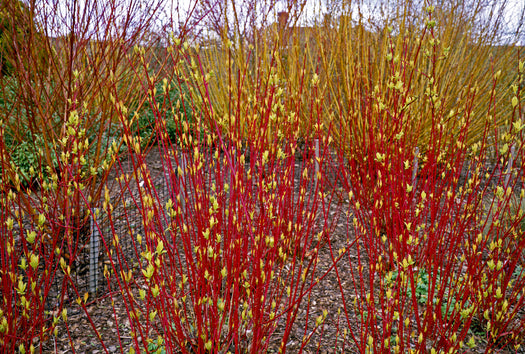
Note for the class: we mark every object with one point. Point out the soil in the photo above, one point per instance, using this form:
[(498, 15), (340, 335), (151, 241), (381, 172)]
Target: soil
[(108, 314)]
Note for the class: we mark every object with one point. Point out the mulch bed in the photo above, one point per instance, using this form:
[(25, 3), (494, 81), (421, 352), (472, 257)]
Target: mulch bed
[(114, 328)]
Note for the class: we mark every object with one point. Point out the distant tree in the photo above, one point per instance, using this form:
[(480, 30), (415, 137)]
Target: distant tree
[(10, 32), (17, 28), (231, 18)]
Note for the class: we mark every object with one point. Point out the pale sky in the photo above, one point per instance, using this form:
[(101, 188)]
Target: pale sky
[(316, 7), (313, 10)]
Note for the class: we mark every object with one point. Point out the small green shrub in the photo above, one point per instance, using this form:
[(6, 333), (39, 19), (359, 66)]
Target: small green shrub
[(157, 347), (145, 124), (422, 290), (26, 159)]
